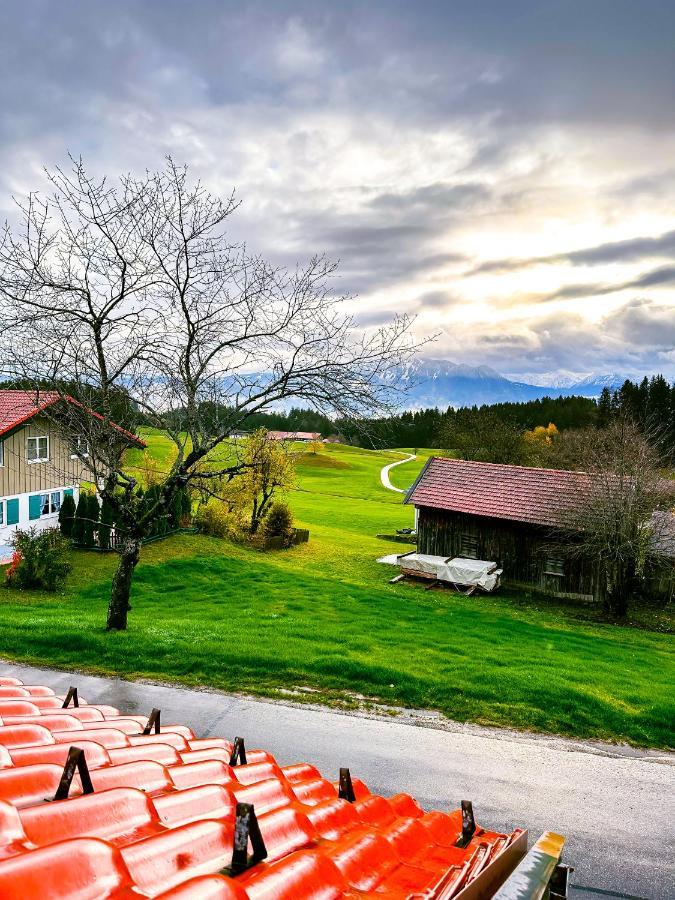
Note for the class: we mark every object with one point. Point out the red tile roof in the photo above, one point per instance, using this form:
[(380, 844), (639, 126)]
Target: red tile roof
[(514, 493), (294, 435), (18, 406)]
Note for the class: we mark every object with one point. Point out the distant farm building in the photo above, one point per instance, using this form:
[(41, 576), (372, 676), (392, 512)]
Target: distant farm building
[(303, 436), (507, 514)]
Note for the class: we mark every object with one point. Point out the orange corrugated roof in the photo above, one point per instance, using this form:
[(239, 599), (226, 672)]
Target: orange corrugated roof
[(164, 811)]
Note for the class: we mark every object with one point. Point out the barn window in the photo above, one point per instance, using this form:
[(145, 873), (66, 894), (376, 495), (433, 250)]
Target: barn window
[(468, 546), (555, 565)]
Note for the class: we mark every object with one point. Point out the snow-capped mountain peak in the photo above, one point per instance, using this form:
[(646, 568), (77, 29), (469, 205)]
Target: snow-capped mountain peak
[(429, 382)]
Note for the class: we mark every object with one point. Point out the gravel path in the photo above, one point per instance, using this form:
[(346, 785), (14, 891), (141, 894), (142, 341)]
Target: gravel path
[(384, 473)]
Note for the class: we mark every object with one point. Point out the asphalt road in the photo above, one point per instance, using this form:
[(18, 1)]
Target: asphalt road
[(614, 806)]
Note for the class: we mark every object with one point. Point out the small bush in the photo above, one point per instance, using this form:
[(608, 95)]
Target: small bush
[(214, 519), (217, 520), (40, 559), (279, 523)]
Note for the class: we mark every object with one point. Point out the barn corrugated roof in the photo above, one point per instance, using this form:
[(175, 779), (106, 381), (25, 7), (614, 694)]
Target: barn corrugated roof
[(514, 493)]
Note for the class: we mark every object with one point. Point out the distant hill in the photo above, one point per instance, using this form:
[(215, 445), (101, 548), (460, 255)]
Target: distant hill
[(429, 382)]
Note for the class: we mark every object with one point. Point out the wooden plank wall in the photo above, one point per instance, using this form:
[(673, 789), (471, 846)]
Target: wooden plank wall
[(18, 476), (519, 549)]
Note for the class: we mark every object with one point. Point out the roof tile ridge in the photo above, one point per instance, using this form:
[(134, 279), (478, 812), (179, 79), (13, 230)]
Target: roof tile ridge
[(477, 462)]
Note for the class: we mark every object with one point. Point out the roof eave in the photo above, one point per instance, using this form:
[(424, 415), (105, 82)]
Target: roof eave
[(408, 496)]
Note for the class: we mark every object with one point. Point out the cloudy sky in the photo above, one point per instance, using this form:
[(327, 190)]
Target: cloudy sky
[(503, 170)]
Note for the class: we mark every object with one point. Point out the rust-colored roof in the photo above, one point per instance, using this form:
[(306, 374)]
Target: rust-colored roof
[(19, 406), (514, 493)]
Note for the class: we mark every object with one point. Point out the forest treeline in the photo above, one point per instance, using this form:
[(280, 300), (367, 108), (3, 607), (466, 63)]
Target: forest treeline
[(515, 433), (650, 403)]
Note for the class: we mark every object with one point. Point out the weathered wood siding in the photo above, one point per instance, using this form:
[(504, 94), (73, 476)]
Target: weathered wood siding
[(521, 550), (18, 476)]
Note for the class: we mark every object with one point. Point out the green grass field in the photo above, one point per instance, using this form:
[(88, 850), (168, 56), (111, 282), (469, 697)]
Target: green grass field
[(323, 616)]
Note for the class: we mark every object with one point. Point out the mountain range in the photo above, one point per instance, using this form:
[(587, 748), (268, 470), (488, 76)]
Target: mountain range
[(428, 382)]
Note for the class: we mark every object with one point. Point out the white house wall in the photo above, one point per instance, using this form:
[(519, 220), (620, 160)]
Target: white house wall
[(25, 522)]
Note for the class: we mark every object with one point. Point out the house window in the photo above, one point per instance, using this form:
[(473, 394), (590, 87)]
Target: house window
[(2, 512), (38, 449), (468, 546), (555, 565), (2, 453), (50, 504), (80, 447), (41, 506)]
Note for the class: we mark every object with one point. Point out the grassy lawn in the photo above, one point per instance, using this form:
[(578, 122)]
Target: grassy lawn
[(322, 616)]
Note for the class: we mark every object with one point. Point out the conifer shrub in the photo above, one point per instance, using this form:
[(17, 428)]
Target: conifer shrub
[(279, 524), (105, 525), (92, 512), (77, 533), (67, 516)]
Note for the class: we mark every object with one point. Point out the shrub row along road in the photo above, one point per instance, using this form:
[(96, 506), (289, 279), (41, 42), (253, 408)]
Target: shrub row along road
[(384, 473), (612, 804)]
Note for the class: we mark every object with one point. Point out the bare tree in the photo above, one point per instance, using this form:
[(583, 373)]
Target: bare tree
[(130, 297), (618, 514)]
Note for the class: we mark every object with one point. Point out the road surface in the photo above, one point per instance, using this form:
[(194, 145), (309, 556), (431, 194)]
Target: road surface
[(384, 473), (614, 805)]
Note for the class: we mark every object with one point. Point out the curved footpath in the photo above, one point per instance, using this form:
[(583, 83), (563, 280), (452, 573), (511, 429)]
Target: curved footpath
[(384, 473), (612, 803)]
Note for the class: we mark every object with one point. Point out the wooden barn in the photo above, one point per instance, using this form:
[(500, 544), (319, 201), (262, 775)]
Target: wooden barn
[(511, 515), (505, 514)]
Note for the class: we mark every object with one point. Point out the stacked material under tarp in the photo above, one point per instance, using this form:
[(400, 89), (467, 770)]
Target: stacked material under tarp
[(456, 570), (95, 804)]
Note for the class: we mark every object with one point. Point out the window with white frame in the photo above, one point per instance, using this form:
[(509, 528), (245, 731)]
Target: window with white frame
[(2, 453), (2, 512), (37, 449), (50, 503), (80, 447)]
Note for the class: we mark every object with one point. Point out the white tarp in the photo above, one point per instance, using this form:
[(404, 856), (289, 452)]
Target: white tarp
[(469, 572)]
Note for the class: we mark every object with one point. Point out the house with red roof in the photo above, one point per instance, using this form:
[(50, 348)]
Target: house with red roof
[(516, 516), (41, 461)]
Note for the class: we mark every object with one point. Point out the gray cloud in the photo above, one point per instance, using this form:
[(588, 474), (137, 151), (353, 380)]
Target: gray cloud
[(427, 125), (433, 198), (639, 248), (644, 323), (661, 277), (437, 300)]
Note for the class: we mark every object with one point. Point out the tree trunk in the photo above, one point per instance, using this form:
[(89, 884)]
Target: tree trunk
[(121, 585)]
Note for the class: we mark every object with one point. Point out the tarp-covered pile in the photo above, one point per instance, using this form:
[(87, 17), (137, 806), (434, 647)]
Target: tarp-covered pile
[(464, 572)]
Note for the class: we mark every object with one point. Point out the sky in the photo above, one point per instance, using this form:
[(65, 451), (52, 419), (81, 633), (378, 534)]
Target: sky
[(503, 171)]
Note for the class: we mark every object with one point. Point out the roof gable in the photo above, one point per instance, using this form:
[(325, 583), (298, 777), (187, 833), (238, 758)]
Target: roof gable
[(19, 406)]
